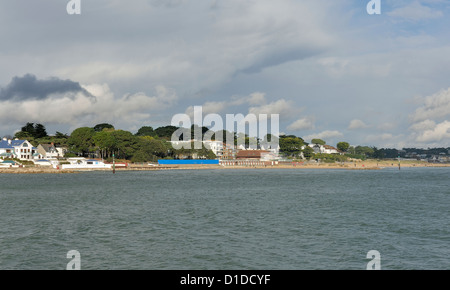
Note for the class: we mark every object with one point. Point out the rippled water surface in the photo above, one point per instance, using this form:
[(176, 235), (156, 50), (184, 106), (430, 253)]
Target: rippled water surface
[(227, 219)]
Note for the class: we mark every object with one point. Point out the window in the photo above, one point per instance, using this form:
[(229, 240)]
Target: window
[(25, 144)]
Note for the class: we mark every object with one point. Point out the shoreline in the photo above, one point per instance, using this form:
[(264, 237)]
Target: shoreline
[(358, 165)]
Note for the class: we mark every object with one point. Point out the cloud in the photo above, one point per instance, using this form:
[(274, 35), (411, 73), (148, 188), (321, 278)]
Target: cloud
[(208, 108), (280, 107), (387, 126), (257, 98), (379, 137), (29, 87), (357, 124), (269, 35), (324, 135), (434, 106), (415, 11), (423, 126), (302, 124), (166, 3), (80, 108), (440, 132)]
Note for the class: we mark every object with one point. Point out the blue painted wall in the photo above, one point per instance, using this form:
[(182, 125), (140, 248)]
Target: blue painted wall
[(187, 162)]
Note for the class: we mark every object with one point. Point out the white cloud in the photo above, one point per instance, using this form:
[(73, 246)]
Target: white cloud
[(257, 98), (415, 11), (302, 124), (84, 110), (387, 126), (208, 108), (281, 107), (441, 132), (423, 126), (357, 124), (324, 135), (434, 106), (379, 137)]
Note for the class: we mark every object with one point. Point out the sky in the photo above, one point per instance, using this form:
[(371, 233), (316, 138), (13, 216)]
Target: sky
[(329, 69)]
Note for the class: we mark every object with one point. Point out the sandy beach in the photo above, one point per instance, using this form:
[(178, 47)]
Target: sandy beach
[(356, 165)]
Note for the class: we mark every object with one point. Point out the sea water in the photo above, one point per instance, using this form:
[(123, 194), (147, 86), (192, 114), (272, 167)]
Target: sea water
[(222, 219)]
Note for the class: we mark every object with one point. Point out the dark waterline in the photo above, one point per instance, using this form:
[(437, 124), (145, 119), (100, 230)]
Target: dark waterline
[(227, 219)]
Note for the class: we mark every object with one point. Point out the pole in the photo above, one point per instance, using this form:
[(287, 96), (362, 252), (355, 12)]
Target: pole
[(398, 162), (114, 165)]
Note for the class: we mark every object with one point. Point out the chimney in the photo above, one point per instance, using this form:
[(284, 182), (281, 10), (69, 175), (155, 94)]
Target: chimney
[(5, 139), (9, 141)]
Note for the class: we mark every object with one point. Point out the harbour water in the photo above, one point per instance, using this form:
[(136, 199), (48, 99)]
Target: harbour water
[(246, 219)]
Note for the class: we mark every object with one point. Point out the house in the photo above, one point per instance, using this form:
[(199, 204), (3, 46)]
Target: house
[(330, 150), (51, 151), (215, 146), (325, 149), (20, 149), (6, 149), (82, 163), (8, 163), (251, 154), (44, 162)]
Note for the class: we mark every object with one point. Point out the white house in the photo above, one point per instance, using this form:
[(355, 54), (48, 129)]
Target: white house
[(51, 151), (6, 149), (82, 163), (21, 149), (326, 149), (216, 147)]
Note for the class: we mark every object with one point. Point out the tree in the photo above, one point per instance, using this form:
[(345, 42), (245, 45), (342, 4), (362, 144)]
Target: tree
[(28, 128), (30, 131), (166, 131), (22, 135), (227, 136), (201, 130), (318, 141), (100, 127), (126, 144), (146, 131), (364, 150), (60, 135), (39, 131), (291, 145), (105, 142), (81, 140), (150, 149), (343, 146), (308, 152)]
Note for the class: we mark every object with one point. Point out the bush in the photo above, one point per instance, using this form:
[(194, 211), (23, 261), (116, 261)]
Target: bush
[(330, 158), (356, 156)]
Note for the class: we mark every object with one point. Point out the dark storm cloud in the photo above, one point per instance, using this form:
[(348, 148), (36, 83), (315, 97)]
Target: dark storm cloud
[(29, 87)]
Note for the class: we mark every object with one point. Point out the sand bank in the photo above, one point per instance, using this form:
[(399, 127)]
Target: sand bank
[(358, 165)]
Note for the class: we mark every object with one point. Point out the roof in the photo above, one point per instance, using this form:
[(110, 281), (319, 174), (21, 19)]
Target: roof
[(331, 148), (5, 145), (250, 153), (47, 147), (17, 142)]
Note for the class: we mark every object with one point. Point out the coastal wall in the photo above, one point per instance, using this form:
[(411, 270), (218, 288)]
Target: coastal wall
[(188, 162)]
